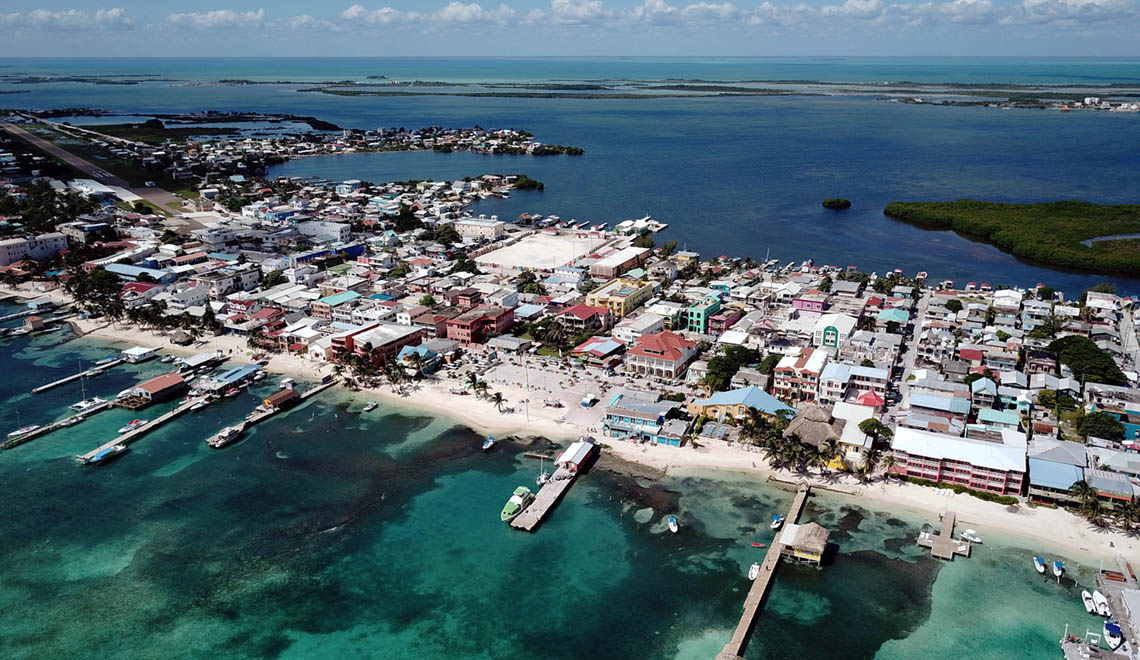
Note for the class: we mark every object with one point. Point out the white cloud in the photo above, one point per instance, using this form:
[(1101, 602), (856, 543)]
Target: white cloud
[(579, 12), (219, 18), (70, 19), (861, 9), (382, 16), (457, 12), (968, 11), (1072, 11)]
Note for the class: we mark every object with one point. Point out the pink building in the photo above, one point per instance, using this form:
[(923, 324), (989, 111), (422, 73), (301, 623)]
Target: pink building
[(989, 465)]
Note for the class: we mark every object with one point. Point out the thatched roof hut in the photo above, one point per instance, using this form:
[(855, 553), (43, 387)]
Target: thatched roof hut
[(813, 426)]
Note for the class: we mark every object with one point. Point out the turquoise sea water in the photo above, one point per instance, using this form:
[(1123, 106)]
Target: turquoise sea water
[(735, 176), (330, 533)]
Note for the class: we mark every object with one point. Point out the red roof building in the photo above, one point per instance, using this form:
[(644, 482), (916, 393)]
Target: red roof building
[(664, 354), (477, 325), (584, 317)]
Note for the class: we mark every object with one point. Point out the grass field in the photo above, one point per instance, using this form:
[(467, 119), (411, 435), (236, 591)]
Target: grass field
[(1049, 233)]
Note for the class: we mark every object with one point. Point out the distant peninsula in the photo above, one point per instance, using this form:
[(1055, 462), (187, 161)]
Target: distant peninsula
[(1073, 235)]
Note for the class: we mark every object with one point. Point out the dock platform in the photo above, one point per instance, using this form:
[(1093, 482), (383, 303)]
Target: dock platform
[(754, 601), (261, 414), (547, 497), (1113, 584), (943, 545), (130, 436), (75, 377), (44, 430)]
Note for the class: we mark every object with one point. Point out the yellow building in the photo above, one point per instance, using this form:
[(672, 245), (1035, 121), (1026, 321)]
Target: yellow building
[(621, 296)]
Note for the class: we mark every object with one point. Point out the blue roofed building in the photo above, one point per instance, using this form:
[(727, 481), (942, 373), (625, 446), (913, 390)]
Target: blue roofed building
[(132, 273), (737, 403), (637, 416), (1054, 466), (231, 378), (999, 419), (427, 362)]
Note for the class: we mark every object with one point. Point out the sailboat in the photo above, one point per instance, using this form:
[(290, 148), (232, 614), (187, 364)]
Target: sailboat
[(543, 475)]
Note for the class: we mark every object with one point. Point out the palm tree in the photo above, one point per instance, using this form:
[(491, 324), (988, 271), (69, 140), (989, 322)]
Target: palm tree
[(827, 452), (1083, 491), (481, 388), (471, 381), (889, 463), (708, 384), (417, 361), (1093, 510), (498, 400)]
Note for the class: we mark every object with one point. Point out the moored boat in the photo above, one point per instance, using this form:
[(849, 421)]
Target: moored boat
[(224, 437), (105, 455), (754, 570), (232, 392), (370, 406), (519, 500), (24, 431), (1058, 569), (87, 404), (72, 421), (1090, 605), (971, 536), (673, 526), (1101, 604), (488, 444), (1039, 565), (777, 520), (135, 423), (1113, 636)]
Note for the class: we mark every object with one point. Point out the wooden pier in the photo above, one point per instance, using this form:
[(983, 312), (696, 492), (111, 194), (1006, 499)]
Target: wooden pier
[(131, 436), (75, 377), (261, 414), (754, 601), (44, 430), (545, 500), (1113, 584), (943, 545)]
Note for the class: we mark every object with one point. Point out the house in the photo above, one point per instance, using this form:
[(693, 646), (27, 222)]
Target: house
[(664, 354), (477, 325), (636, 416), (698, 314), (481, 228), (159, 388), (509, 344), (737, 403), (619, 262), (838, 380), (831, 330), (804, 542), (326, 307), (138, 354), (577, 456), (282, 399), (1111, 487), (632, 327), (816, 427), (983, 465), (599, 352), (797, 375), (853, 443), (1054, 466), (584, 318), (379, 340), (621, 296)]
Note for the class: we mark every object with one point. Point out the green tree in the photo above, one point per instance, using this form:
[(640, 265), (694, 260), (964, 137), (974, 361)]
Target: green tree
[(723, 366), (427, 300), (1100, 425), (272, 279), (954, 305), (876, 429), (825, 284), (1089, 363)]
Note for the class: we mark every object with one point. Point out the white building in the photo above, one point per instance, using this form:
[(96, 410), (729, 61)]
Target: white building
[(481, 227), (631, 328), (39, 247)]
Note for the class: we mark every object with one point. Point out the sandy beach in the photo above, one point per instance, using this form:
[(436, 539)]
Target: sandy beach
[(1045, 528)]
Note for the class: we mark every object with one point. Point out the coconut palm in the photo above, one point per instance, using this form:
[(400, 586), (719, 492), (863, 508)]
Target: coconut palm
[(1083, 491), (498, 400), (889, 463), (481, 388), (1093, 510), (471, 381), (1127, 514), (828, 451)]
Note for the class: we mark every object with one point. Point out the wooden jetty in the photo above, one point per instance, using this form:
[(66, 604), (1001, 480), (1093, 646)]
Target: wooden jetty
[(943, 545), (130, 436), (1113, 584), (261, 413), (44, 430), (75, 377), (754, 601), (545, 500)]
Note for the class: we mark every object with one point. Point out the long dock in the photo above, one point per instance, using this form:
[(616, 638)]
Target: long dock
[(131, 436), (734, 649), (547, 497), (75, 377), (259, 414), (943, 545), (1113, 584), (44, 430), (17, 315)]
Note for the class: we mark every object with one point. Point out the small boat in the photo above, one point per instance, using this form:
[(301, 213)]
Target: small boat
[(224, 437), (287, 383), (759, 545), (777, 520), (94, 372), (543, 475), (166, 359), (488, 443), (105, 455), (1101, 604), (259, 376), (232, 392), (72, 421), (1112, 634), (754, 570), (104, 361), (24, 431), (519, 500), (200, 405), (673, 526), (124, 394), (1039, 565), (370, 406), (135, 423), (971, 536), (1058, 569), (1090, 604)]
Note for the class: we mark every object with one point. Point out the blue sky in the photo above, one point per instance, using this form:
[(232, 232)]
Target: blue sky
[(571, 27)]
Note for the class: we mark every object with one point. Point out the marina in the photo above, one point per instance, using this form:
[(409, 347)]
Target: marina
[(44, 430), (130, 436), (262, 413), (576, 456), (943, 545), (94, 371), (758, 593)]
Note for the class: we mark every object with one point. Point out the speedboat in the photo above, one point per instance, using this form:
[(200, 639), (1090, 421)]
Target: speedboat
[(971, 536), (1039, 565), (105, 455), (72, 421), (1101, 604), (200, 405), (673, 526), (488, 443), (1112, 634), (371, 406), (87, 404), (1090, 604), (777, 520), (754, 570), (166, 359), (1058, 569), (104, 361), (232, 392), (224, 437), (519, 500), (259, 376), (24, 431), (135, 423)]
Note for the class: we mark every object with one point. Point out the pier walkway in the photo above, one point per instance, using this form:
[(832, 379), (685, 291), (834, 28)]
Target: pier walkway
[(131, 436), (44, 430), (547, 497), (1113, 584), (74, 377), (943, 545), (261, 414), (734, 649), (17, 315)]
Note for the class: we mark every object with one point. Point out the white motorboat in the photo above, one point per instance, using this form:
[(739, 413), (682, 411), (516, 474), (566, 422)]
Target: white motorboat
[(24, 431), (166, 359), (1090, 605), (777, 521), (754, 570), (87, 404), (224, 437), (673, 526), (543, 475), (1101, 604), (370, 406), (200, 405), (1112, 634), (1058, 569), (1039, 565), (971, 536), (135, 423), (488, 444), (259, 376)]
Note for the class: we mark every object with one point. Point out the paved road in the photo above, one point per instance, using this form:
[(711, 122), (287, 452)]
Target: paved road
[(160, 198)]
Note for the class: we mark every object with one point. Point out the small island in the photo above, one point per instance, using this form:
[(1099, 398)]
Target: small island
[(1068, 234), (836, 203)]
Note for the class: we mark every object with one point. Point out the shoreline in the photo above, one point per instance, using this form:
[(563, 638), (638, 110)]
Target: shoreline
[(1052, 528)]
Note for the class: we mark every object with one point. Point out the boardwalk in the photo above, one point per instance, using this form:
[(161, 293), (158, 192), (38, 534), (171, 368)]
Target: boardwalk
[(943, 545), (44, 430), (131, 436), (547, 497), (74, 377), (734, 649)]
